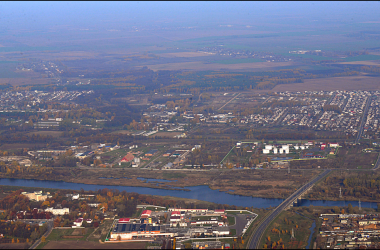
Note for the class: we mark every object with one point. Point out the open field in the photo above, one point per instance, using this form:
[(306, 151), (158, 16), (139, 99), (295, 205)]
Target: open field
[(184, 54), (166, 134), (20, 145), (50, 133), (332, 84), (285, 223), (20, 80), (217, 66), (93, 245), (368, 63)]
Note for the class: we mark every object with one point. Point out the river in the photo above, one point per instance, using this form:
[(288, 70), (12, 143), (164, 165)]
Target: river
[(203, 193)]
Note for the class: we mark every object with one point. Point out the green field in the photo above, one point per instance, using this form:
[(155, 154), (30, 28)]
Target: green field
[(231, 221)]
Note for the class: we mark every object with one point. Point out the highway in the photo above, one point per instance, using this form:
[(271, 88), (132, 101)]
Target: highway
[(46, 234), (363, 119), (258, 233)]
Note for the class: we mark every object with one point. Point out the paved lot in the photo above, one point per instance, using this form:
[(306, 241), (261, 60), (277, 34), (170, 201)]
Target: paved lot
[(241, 221)]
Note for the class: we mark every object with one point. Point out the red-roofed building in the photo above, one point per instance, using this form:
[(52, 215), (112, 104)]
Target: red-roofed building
[(323, 146), (78, 222), (145, 214), (124, 220), (129, 157), (219, 211)]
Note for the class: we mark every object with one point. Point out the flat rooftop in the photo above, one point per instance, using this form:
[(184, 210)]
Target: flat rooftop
[(129, 227)]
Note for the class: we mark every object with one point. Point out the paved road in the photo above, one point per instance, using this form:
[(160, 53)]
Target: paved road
[(46, 234), (363, 119), (377, 164), (257, 235)]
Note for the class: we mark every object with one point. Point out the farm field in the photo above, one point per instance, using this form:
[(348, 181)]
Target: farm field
[(332, 84)]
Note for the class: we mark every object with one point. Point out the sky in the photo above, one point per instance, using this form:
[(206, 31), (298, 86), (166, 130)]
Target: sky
[(44, 15)]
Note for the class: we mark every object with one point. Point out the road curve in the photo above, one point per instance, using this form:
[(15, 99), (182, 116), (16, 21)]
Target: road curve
[(258, 233)]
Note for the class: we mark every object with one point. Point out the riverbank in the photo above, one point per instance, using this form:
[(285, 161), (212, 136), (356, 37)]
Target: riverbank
[(254, 183)]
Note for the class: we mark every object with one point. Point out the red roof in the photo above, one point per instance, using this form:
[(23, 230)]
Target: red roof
[(219, 210), (175, 212), (147, 212), (124, 220), (129, 157)]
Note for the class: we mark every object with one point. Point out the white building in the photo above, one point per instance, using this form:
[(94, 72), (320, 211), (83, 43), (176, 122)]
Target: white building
[(266, 151), (275, 150), (58, 211), (269, 147)]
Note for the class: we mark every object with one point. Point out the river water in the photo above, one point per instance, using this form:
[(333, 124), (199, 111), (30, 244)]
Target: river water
[(203, 193)]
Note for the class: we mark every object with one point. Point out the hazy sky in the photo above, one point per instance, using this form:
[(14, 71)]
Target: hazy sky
[(42, 15)]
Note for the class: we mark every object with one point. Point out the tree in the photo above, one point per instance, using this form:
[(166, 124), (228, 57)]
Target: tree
[(43, 239), (350, 209)]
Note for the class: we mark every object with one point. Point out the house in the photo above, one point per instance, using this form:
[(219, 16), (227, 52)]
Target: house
[(78, 222), (334, 145)]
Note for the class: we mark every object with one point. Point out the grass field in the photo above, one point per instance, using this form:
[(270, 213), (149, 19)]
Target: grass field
[(231, 221)]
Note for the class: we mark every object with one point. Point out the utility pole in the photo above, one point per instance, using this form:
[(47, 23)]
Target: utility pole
[(340, 192)]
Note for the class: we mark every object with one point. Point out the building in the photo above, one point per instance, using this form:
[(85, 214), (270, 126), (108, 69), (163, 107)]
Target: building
[(124, 220), (145, 214), (275, 151), (266, 151), (129, 157), (78, 222), (129, 231), (269, 147), (334, 145), (189, 210), (151, 152), (36, 195), (168, 152), (58, 211)]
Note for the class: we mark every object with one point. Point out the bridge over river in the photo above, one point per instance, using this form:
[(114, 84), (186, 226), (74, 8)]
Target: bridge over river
[(260, 229)]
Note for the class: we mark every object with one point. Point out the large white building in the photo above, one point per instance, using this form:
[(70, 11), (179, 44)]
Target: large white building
[(58, 211)]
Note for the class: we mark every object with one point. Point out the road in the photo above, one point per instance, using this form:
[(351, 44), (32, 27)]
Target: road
[(229, 101), (258, 233), (46, 234), (363, 119)]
